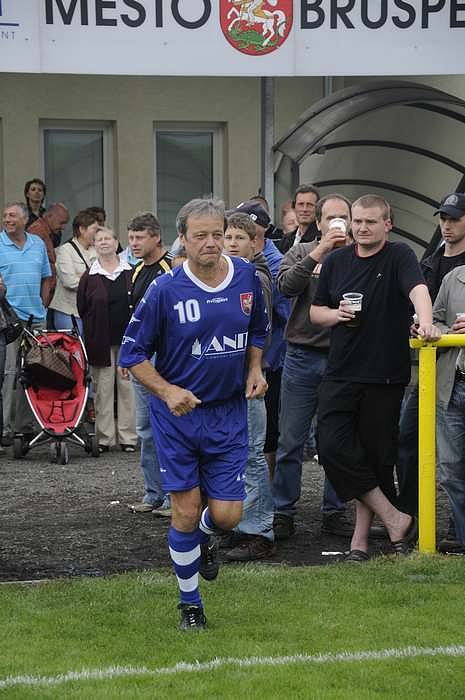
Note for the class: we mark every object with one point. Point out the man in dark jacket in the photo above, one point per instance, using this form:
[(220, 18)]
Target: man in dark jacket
[(304, 367), (304, 204)]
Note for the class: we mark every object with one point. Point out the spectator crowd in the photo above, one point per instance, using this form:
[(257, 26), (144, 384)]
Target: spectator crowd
[(335, 372)]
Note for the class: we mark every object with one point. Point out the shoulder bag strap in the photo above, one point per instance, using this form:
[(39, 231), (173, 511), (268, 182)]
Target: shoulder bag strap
[(72, 243)]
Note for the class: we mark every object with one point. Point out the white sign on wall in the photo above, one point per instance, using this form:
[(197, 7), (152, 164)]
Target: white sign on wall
[(233, 37)]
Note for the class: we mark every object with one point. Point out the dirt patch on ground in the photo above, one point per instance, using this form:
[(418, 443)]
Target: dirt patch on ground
[(73, 520)]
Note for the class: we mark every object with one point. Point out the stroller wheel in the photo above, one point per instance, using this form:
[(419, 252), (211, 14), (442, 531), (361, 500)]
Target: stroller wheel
[(62, 453), (95, 452), (18, 448), (54, 451)]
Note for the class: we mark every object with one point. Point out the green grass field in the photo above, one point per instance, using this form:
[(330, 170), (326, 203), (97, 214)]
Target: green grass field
[(267, 626)]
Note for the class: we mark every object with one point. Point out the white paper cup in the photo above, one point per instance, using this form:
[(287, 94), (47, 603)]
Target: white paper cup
[(338, 223), (355, 299)]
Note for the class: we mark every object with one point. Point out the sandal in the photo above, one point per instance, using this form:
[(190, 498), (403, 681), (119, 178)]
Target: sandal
[(356, 555), (127, 448), (103, 448), (407, 542)]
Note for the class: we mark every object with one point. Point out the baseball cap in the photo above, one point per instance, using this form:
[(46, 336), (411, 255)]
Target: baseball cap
[(453, 205), (256, 212)]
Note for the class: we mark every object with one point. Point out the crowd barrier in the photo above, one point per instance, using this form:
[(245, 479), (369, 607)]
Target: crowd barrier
[(427, 435)]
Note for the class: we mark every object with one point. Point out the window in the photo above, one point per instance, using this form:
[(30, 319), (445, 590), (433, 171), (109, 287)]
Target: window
[(78, 165), (188, 164)]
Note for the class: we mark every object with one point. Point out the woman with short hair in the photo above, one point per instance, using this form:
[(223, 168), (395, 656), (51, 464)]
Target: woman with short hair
[(104, 304)]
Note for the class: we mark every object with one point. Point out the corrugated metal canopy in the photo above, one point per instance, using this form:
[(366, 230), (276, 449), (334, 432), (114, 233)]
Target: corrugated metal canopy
[(403, 140), (323, 118)]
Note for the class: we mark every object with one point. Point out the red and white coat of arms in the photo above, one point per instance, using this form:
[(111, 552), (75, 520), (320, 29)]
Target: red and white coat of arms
[(246, 302), (256, 27)]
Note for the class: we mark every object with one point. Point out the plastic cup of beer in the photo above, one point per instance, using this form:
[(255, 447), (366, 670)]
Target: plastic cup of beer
[(341, 225), (354, 299)]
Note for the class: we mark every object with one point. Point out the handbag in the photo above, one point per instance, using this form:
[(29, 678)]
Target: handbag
[(13, 327), (48, 366)]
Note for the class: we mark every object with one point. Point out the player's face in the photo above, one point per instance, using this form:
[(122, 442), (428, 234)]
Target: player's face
[(142, 244), (238, 243), (333, 209), (453, 230), (305, 203), (204, 240), (369, 229)]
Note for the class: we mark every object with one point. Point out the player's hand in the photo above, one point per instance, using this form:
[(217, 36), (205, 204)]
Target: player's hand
[(256, 385), (427, 331), (180, 401)]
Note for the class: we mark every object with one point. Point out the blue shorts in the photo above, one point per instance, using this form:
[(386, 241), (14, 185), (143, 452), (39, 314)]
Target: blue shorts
[(206, 448)]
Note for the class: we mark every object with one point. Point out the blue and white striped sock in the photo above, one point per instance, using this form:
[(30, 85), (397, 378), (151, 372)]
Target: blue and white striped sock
[(185, 554), (206, 526)]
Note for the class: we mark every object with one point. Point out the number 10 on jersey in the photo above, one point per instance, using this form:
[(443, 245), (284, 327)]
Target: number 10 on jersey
[(188, 310)]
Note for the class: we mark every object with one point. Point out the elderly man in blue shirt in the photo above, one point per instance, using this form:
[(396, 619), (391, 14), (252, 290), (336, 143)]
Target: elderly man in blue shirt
[(24, 267)]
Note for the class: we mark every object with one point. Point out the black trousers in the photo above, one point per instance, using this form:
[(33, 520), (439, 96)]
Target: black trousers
[(358, 428), (273, 378)]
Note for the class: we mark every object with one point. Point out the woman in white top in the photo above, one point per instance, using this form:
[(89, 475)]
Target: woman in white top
[(73, 259)]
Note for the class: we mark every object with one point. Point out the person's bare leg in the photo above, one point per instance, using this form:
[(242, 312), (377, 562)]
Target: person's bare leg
[(396, 522), (363, 518)]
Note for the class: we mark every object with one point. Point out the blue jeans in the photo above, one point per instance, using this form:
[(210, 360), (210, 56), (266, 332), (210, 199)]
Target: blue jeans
[(302, 374), (451, 455), (148, 456), (257, 513)]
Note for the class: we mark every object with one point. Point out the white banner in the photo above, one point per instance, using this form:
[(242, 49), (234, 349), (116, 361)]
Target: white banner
[(233, 37)]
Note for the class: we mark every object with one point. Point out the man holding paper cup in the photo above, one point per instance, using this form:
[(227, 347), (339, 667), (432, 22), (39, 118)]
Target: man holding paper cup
[(304, 366), (368, 368)]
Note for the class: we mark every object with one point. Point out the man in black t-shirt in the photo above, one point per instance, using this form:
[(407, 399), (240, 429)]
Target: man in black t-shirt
[(447, 257), (145, 242), (368, 368)]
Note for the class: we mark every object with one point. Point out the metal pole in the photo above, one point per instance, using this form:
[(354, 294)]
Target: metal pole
[(427, 450), (267, 141)]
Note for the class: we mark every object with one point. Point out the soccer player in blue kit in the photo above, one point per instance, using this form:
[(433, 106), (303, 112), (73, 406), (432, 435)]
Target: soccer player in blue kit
[(207, 322)]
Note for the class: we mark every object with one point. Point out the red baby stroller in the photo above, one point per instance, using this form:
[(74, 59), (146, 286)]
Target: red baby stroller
[(53, 368)]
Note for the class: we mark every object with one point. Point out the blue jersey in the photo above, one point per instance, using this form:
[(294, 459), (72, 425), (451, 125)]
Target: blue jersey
[(200, 334)]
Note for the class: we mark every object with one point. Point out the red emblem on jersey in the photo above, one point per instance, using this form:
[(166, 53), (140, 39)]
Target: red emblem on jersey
[(256, 27), (246, 302)]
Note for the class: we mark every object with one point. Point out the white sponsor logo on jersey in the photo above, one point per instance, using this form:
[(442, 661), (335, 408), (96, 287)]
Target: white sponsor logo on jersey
[(224, 345)]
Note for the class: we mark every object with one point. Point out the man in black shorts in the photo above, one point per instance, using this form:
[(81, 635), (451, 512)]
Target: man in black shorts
[(368, 368)]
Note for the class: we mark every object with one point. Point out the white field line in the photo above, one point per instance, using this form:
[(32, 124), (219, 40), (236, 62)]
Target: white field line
[(410, 652)]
